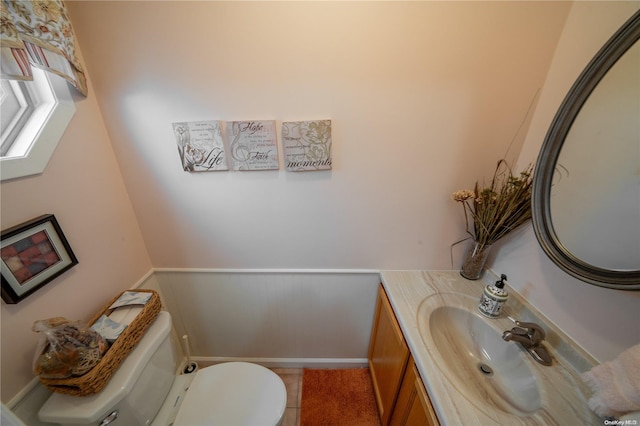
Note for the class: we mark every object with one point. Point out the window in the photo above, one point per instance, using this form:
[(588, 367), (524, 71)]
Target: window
[(18, 103), (35, 115)]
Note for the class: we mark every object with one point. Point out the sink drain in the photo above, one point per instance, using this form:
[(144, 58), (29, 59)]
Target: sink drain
[(485, 369)]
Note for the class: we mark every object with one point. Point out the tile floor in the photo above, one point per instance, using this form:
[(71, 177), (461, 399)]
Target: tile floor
[(292, 378)]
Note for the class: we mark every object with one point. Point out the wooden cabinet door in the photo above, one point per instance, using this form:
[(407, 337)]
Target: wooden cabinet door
[(388, 356), (413, 407)]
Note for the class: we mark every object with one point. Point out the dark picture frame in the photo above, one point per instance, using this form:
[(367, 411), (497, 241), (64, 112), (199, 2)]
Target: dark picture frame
[(32, 255)]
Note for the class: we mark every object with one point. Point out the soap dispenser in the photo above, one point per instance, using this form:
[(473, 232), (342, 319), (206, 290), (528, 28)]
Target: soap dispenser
[(493, 298)]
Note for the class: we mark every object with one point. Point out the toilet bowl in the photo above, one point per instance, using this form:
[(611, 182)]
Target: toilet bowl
[(247, 394), (145, 390)]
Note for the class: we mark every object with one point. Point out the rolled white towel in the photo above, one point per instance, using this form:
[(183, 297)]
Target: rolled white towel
[(616, 384), (631, 418)]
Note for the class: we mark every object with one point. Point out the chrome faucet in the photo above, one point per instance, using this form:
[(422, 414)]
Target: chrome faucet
[(530, 336)]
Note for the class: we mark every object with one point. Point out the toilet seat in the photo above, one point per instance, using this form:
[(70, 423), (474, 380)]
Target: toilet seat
[(233, 393)]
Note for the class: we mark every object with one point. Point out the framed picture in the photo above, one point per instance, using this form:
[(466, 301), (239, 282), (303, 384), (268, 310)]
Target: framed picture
[(33, 254)]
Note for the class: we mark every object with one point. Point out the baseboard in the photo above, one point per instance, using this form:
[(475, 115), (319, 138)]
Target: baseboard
[(288, 362)]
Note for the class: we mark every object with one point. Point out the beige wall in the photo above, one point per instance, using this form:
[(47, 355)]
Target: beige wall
[(424, 98), (82, 186)]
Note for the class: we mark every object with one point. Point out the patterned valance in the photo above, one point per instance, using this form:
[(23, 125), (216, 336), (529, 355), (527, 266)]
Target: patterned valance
[(39, 33)]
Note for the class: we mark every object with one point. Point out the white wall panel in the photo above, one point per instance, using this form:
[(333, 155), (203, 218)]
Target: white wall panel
[(272, 314)]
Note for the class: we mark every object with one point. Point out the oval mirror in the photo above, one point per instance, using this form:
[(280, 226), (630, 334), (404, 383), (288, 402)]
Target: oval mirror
[(586, 187)]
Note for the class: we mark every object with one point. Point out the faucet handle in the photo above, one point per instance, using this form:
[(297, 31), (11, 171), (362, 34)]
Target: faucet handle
[(537, 333), (520, 331)]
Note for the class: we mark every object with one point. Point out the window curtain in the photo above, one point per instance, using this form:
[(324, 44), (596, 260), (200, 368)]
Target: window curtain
[(39, 33)]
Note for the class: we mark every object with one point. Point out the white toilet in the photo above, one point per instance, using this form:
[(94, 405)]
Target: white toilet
[(146, 391)]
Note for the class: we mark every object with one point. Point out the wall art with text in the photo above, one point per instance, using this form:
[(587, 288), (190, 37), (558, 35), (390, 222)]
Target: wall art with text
[(253, 145), (307, 145), (201, 146)]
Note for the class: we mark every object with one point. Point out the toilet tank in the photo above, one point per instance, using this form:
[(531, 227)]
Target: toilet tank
[(135, 392)]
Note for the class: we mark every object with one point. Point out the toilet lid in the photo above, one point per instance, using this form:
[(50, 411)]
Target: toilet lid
[(233, 394)]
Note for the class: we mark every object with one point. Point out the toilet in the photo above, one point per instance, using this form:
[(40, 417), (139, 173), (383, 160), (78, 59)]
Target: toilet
[(145, 390)]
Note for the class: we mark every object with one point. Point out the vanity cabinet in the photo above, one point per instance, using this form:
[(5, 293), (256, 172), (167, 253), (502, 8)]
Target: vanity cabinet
[(388, 356), (413, 407), (400, 394)]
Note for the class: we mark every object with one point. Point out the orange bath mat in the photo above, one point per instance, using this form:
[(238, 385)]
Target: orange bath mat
[(338, 397)]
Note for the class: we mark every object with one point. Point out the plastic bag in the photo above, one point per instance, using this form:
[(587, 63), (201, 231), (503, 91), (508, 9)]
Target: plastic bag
[(66, 348)]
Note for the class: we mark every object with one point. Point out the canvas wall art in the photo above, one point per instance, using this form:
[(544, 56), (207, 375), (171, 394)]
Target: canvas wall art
[(306, 145), (201, 146), (253, 145)]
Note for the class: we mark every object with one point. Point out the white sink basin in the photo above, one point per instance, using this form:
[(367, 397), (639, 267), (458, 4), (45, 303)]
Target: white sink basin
[(469, 350)]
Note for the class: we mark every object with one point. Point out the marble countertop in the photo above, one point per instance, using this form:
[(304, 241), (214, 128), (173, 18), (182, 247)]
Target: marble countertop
[(563, 396)]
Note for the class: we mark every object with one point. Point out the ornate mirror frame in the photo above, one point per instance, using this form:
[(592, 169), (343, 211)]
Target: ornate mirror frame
[(608, 55)]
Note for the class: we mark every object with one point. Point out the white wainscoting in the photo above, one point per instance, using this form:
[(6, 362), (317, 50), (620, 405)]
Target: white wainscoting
[(277, 318)]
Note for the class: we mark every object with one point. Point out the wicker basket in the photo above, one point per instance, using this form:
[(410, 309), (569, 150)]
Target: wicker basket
[(95, 379)]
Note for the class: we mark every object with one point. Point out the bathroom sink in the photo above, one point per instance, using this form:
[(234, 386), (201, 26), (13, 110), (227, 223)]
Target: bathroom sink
[(469, 350)]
